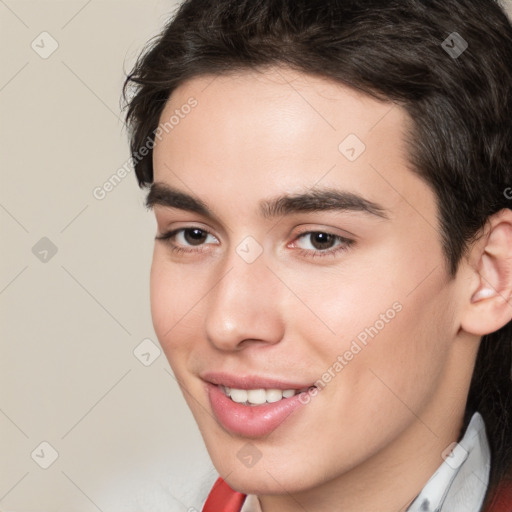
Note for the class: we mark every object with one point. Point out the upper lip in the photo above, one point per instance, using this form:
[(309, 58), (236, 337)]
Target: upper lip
[(251, 381)]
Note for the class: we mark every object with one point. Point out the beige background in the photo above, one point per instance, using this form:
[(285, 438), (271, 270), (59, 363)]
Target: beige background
[(72, 320)]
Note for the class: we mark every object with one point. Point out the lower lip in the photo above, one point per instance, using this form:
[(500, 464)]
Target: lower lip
[(251, 421)]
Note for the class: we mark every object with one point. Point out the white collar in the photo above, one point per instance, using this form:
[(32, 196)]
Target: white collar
[(460, 482)]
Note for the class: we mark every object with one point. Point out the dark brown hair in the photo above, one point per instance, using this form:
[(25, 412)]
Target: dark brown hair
[(393, 50)]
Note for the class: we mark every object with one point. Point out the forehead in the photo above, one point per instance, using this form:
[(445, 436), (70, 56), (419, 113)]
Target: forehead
[(279, 105), (277, 129)]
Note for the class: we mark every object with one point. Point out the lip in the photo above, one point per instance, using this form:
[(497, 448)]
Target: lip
[(252, 381), (252, 421)]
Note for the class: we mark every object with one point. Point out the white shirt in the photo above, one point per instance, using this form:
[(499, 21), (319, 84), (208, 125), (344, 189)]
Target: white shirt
[(458, 485)]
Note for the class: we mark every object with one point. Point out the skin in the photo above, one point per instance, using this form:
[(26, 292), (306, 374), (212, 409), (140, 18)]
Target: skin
[(392, 411)]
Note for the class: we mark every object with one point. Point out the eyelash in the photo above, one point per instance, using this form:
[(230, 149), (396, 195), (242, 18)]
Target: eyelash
[(345, 243)]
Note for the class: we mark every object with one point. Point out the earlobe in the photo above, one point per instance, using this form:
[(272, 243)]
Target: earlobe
[(489, 307)]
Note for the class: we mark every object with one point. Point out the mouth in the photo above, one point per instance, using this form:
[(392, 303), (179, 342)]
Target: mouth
[(260, 396), (255, 406)]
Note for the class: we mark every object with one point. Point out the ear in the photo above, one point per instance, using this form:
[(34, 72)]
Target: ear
[(489, 305)]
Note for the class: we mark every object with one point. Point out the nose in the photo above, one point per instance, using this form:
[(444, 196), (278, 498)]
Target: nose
[(244, 306)]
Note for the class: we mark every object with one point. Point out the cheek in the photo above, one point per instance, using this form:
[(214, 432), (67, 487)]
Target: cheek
[(376, 331), (355, 301), (162, 297), (174, 297), (401, 363)]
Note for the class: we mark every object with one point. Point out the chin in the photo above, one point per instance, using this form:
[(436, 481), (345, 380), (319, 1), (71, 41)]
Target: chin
[(265, 477), (261, 483)]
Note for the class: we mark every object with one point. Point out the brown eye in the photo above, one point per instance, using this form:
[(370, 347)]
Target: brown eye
[(318, 240), (195, 236), (322, 241), (181, 239)]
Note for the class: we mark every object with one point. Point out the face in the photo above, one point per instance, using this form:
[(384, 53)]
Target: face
[(297, 251)]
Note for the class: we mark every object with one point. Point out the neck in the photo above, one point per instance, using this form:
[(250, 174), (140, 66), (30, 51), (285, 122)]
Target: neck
[(388, 482)]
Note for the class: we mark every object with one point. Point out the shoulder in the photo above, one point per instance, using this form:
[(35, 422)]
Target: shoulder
[(502, 499), (222, 497)]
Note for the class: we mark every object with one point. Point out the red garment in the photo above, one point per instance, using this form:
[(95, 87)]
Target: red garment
[(224, 499), (502, 501)]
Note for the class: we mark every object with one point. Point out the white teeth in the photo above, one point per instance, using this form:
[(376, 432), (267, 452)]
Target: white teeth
[(258, 396), (274, 395), (238, 395)]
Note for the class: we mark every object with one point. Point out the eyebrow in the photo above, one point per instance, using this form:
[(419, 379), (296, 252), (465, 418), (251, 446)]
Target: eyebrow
[(314, 200)]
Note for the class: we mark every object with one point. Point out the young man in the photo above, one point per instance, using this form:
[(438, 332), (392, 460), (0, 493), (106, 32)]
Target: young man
[(332, 271)]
